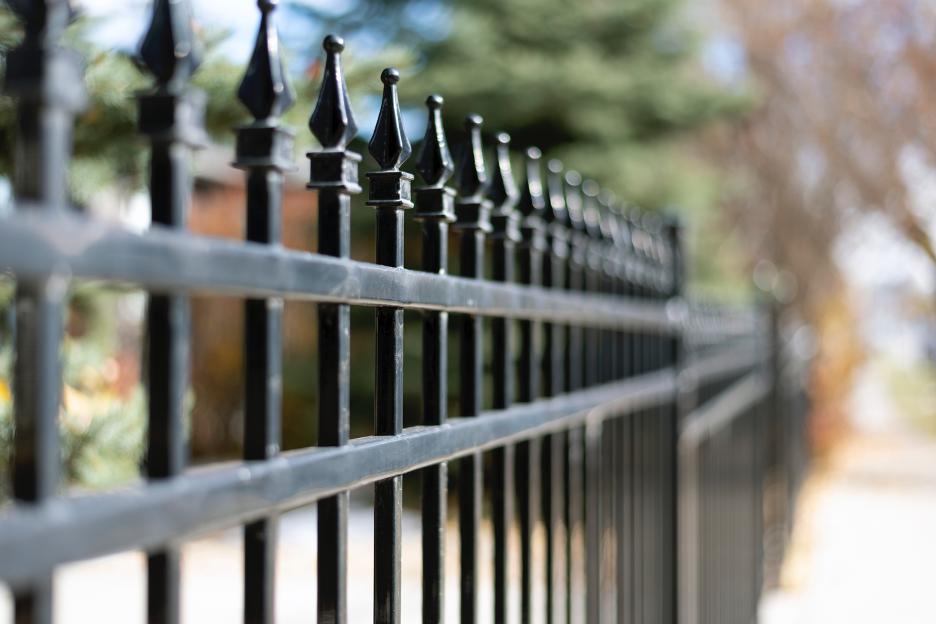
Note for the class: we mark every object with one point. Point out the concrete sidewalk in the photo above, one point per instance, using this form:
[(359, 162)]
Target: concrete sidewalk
[(864, 541)]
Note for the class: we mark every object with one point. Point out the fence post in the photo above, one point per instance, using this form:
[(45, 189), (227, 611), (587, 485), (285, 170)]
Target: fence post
[(553, 445), (624, 470), (672, 276), (45, 112), (473, 218), (435, 207), (334, 174), (264, 151), (505, 235), (531, 248), (390, 195), (574, 451), (172, 118)]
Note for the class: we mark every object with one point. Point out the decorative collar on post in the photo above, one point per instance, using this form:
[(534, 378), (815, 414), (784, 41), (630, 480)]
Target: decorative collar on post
[(503, 193), (333, 124), (434, 163), (389, 187), (266, 92), (472, 211), (175, 112)]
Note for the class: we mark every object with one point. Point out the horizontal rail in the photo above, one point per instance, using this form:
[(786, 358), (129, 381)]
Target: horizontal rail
[(35, 246), (33, 540), (716, 414), (703, 370)]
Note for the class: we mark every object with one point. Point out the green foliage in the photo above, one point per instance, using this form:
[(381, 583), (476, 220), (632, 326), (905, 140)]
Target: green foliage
[(106, 145)]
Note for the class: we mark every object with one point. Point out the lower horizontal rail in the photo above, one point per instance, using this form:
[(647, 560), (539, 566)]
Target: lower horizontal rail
[(35, 539), (720, 411)]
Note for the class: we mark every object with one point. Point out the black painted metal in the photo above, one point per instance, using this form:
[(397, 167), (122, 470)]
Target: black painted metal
[(435, 208), (531, 248), (333, 173), (505, 235), (263, 150), (473, 219), (389, 195), (170, 117), (644, 490)]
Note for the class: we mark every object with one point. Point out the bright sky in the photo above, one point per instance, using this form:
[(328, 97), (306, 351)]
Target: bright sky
[(122, 23)]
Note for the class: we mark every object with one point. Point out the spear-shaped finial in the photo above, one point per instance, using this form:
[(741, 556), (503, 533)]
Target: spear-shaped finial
[(532, 202), (332, 121), (471, 178), (574, 200), (503, 192), (170, 49), (607, 221), (590, 211), (389, 145), (434, 162), (555, 194), (265, 89)]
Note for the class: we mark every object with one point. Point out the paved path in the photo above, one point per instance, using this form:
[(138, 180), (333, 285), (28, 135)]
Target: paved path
[(864, 543)]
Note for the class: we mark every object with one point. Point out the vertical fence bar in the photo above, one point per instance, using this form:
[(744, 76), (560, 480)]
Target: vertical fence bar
[(473, 218), (389, 195), (574, 348), (593, 445), (607, 226), (593, 273), (334, 174), (264, 151), (435, 207), (673, 348), (532, 229), (557, 237), (45, 113), (171, 118), (505, 235), (592, 489)]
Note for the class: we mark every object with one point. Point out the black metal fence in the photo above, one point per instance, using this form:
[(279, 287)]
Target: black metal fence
[(633, 426)]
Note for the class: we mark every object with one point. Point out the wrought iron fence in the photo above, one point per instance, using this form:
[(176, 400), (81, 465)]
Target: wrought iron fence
[(630, 424)]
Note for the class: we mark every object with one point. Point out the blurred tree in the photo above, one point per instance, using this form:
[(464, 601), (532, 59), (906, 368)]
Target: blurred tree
[(588, 81), (847, 128)]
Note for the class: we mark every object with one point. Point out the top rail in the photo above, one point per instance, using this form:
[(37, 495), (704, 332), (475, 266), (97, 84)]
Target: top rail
[(33, 245)]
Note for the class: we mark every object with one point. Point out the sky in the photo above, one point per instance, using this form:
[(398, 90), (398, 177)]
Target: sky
[(122, 23)]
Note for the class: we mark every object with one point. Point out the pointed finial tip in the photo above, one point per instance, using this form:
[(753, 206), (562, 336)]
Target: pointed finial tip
[(390, 76), (555, 166), (473, 121), (533, 153), (333, 43), (573, 177), (434, 101), (503, 138)]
